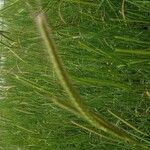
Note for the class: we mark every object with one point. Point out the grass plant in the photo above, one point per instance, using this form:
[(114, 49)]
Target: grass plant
[(104, 48)]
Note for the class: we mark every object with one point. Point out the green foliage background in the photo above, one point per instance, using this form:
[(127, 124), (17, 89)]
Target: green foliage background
[(106, 52)]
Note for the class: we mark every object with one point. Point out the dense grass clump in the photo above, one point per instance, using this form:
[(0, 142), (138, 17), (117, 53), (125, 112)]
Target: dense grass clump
[(105, 48)]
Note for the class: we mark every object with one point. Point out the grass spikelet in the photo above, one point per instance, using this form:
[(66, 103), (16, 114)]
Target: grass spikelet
[(76, 101)]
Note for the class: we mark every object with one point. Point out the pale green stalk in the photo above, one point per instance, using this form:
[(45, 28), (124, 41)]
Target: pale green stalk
[(127, 123)]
